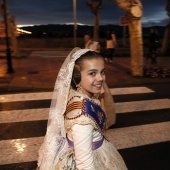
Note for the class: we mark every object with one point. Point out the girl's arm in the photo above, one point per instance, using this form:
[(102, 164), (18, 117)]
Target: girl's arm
[(82, 139), (114, 40)]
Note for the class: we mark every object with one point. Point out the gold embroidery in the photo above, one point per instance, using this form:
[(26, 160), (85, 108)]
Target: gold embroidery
[(73, 106), (92, 108)]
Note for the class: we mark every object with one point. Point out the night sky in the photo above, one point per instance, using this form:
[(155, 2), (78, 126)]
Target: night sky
[(38, 12)]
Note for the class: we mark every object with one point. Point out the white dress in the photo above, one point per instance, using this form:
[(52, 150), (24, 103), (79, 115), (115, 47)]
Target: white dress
[(83, 130)]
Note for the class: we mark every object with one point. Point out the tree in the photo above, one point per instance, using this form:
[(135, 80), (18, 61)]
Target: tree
[(134, 11), (168, 8), (166, 40), (6, 23), (11, 26), (95, 6)]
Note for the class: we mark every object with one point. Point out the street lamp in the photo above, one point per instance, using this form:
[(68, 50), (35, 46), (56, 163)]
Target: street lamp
[(75, 22), (8, 51)]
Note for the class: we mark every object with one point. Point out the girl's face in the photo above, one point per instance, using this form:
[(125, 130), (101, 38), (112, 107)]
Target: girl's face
[(92, 76)]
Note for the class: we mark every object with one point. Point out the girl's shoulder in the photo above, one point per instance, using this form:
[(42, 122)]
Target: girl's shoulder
[(74, 96), (77, 103), (78, 96), (74, 105)]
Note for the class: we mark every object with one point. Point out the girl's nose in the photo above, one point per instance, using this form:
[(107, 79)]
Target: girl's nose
[(100, 77)]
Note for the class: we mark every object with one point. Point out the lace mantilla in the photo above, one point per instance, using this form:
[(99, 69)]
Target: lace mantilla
[(54, 144)]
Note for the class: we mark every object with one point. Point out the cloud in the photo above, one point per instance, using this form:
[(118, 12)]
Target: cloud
[(61, 11)]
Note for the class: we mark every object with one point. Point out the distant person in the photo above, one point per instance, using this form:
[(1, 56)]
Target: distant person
[(87, 37), (93, 45), (111, 44), (153, 45)]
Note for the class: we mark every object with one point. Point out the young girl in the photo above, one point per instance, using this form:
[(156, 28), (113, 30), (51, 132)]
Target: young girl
[(75, 133)]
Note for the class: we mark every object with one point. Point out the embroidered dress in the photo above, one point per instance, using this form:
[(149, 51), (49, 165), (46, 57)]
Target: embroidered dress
[(71, 118), (85, 123)]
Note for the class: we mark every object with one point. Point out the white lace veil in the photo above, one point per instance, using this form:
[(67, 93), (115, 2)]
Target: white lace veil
[(54, 144)]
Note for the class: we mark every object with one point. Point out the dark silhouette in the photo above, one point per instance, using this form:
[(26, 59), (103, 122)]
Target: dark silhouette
[(153, 45), (111, 44)]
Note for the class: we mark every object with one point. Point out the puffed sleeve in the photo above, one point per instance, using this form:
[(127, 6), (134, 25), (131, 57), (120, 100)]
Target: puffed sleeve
[(82, 138)]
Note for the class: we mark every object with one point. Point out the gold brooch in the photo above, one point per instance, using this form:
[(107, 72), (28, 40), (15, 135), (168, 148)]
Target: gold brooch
[(92, 108)]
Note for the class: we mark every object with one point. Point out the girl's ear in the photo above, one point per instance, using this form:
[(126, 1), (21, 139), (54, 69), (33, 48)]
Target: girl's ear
[(76, 77)]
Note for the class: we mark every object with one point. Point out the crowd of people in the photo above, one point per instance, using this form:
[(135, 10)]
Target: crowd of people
[(111, 45)]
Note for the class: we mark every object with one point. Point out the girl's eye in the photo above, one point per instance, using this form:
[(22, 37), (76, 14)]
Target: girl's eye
[(92, 73), (103, 72)]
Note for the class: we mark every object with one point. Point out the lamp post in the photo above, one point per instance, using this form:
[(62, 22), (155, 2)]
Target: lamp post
[(75, 22), (8, 51)]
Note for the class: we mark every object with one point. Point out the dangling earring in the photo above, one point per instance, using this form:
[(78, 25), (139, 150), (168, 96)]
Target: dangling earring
[(76, 76), (80, 88)]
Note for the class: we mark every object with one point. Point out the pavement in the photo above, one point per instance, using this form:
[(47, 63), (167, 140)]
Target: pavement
[(137, 139), (36, 70)]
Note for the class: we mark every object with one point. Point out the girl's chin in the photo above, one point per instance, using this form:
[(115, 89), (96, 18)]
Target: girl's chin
[(94, 92), (97, 92)]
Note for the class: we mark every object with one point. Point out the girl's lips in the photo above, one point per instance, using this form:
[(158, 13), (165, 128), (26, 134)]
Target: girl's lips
[(98, 85)]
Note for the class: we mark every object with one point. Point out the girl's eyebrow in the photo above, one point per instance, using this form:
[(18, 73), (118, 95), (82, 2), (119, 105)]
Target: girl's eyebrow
[(92, 70), (96, 70)]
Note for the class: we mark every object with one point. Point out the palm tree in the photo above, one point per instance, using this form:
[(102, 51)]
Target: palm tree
[(166, 40), (95, 6), (134, 11), (10, 26), (168, 8), (6, 23)]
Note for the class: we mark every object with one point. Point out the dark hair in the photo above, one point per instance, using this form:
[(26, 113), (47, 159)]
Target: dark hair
[(109, 35), (76, 77)]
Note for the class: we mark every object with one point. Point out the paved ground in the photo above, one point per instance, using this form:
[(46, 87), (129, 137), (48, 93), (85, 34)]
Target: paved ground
[(37, 70), (141, 132)]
